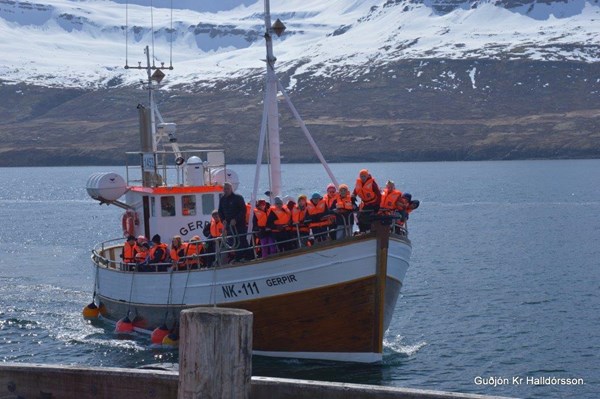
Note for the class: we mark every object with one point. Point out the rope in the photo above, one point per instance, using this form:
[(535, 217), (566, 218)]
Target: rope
[(187, 278), (130, 293), (213, 295), (95, 282), (169, 295), (235, 239)]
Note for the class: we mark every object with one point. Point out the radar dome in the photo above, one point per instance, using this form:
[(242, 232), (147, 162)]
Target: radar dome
[(221, 175)]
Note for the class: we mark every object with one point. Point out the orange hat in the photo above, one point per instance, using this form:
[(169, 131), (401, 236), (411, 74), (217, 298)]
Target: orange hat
[(363, 172), (344, 186)]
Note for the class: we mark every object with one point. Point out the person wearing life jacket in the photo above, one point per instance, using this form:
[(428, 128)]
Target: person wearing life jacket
[(141, 240), (367, 190), (142, 257), (278, 221), (317, 213), (232, 209), (212, 231), (129, 250), (404, 206), (266, 242), (176, 252), (193, 253), (389, 196), (329, 198), (300, 227), (289, 202), (159, 252), (344, 212)]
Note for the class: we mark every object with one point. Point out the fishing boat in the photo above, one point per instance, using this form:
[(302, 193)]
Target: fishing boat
[(332, 300)]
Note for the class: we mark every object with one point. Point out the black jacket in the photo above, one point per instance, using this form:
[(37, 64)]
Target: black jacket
[(233, 207)]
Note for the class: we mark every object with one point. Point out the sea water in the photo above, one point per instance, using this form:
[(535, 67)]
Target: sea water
[(501, 298)]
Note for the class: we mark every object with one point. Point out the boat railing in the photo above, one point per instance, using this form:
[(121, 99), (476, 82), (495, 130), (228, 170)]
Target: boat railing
[(223, 250), (169, 167)]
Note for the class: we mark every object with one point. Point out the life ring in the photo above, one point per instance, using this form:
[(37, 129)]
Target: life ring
[(128, 222)]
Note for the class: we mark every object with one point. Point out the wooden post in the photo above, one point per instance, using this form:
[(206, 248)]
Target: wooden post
[(215, 353)]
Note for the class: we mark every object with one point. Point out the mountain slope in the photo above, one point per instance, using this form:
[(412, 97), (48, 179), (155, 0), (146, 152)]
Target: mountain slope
[(374, 80), (82, 43)]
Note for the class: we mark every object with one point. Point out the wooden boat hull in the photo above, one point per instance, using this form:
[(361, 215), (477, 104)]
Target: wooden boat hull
[(325, 303)]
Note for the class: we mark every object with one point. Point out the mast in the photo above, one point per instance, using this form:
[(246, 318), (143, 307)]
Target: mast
[(272, 110), (147, 139)]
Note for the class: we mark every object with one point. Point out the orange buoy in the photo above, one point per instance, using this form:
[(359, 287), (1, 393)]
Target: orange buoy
[(91, 311), (159, 334), (124, 325), (102, 309), (140, 322), (172, 339)]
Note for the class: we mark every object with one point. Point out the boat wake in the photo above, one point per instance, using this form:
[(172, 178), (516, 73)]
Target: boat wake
[(398, 348)]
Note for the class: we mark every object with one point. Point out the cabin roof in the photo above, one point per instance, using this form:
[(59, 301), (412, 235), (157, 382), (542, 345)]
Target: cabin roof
[(177, 189)]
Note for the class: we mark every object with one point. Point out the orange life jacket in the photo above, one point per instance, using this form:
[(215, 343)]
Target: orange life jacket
[(298, 216), (129, 253), (174, 253), (164, 248), (261, 217), (248, 213), (365, 191), (344, 203), (177, 253), (317, 209), (329, 199), (313, 209), (192, 250), (283, 217), (216, 228), (141, 256), (389, 198)]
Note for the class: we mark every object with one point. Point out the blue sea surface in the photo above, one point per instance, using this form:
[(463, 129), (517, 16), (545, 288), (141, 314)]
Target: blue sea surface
[(503, 285)]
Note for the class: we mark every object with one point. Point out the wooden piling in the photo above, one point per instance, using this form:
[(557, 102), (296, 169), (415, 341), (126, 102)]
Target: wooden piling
[(215, 353)]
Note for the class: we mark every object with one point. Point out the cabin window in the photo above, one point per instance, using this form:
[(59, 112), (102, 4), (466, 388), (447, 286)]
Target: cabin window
[(152, 206), (188, 205), (167, 206), (208, 204)]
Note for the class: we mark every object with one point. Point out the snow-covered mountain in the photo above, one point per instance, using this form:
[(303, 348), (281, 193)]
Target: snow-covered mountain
[(86, 43)]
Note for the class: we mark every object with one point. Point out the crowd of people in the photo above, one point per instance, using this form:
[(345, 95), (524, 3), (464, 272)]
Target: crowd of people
[(289, 224), (141, 255), (276, 228)]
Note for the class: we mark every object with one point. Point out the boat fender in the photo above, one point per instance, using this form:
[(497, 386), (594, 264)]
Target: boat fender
[(91, 311), (172, 339), (128, 222), (124, 325), (159, 334)]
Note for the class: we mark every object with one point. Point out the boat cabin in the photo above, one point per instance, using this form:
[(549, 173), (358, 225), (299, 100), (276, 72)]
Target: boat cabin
[(168, 193)]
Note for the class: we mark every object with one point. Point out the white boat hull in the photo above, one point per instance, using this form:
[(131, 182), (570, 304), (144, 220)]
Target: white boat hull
[(299, 299)]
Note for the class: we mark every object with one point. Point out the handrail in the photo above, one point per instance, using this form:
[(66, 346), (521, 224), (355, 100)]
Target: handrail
[(222, 249), (165, 166)]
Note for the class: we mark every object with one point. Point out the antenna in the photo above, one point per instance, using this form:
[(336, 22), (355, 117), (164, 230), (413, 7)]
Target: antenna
[(152, 29), (171, 30), (126, 34)]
